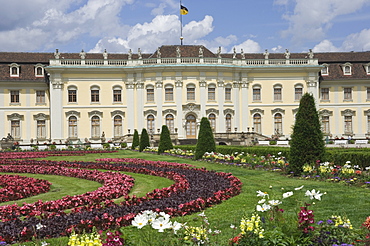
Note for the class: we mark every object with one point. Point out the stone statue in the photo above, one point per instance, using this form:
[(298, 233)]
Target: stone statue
[(159, 53), (219, 52), (130, 54), (178, 51), (139, 52), (287, 54), (200, 52), (83, 54), (56, 54), (310, 54), (234, 55), (242, 53), (266, 54), (105, 54)]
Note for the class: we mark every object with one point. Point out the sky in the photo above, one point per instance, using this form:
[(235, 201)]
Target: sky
[(120, 25)]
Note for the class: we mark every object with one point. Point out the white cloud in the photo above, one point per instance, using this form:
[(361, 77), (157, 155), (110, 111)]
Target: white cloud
[(325, 46), (277, 49), (310, 20), (249, 46)]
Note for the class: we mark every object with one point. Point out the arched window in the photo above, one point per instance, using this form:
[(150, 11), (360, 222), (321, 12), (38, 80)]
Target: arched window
[(95, 127), (212, 121), (150, 123), (117, 126), (228, 122), (257, 123), (278, 124), (72, 127), (170, 123), (15, 129)]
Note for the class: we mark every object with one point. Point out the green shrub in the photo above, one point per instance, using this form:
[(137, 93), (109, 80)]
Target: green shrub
[(135, 140), (123, 145), (144, 140), (206, 142), (165, 142)]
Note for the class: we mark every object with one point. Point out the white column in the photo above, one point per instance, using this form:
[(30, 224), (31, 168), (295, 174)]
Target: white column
[(140, 104), (220, 121), (203, 98), (178, 117), (236, 118), (245, 119), (56, 108), (159, 101), (130, 86)]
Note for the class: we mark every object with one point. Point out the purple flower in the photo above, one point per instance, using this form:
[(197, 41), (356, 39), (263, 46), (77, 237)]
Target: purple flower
[(320, 222), (329, 222)]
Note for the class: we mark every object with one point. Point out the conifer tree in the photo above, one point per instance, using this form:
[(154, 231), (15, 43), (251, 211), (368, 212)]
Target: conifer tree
[(206, 141), (135, 140), (307, 143), (165, 142), (144, 140)]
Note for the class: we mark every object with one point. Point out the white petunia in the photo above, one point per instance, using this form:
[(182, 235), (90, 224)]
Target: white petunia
[(262, 201), (288, 194), (314, 194)]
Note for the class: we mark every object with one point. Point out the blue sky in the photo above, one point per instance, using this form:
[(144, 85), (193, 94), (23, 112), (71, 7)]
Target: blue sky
[(120, 25)]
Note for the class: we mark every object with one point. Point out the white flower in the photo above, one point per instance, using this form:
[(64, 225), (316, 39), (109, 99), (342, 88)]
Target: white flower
[(298, 188), (274, 202), (262, 201), (161, 223), (176, 226), (288, 194), (39, 226), (202, 214), (367, 168), (314, 194), (44, 244), (263, 208), (263, 194), (232, 226), (166, 216), (140, 221), (279, 153)]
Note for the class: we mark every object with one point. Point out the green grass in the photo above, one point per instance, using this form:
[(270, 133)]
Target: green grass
[(339, 200)]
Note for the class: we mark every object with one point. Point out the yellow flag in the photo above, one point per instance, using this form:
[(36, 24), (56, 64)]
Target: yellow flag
[(183, 10)]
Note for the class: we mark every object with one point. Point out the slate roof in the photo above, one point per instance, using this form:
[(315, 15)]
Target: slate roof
[(28, 60)]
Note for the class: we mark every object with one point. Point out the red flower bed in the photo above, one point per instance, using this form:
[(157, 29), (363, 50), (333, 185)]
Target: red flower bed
[(43, 154), (18, 187), (194, 189)]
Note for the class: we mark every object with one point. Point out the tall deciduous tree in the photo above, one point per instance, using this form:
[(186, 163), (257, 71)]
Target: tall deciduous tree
[(135, 140), (307, 142), (206, 141), (144, 140), (165, 142)]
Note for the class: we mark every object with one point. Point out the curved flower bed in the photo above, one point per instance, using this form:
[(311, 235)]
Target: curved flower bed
[(17, 187), (194, 189), (43, 154)]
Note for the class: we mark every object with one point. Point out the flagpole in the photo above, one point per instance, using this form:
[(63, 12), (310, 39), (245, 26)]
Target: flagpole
[(181, 37)]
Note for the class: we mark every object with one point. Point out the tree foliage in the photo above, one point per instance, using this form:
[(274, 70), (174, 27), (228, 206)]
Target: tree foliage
[(135, 140), (165, 142), (144, 140), (206, 142), (307, 142)]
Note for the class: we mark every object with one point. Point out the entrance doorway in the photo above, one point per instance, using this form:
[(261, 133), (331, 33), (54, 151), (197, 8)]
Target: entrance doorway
[(191, 126)]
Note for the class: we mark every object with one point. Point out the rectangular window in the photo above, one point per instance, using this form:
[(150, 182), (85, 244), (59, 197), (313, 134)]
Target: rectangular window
[(190, 95), (14, 96), (325, 124), (347, 124), (16, 129), (40, 97), (324, 93), (169, 94), (227, 94), (298, 94), (277, 94), (211, 94), (347, 93), (368, 124), (150, 95), (72, 96), (256, 94), (368, 93), (41, 129), (94, 95), (117, 96)]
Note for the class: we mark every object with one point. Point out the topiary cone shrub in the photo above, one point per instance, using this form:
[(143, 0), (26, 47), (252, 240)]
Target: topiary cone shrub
[(206, 141), (165, 142), (144, 140), (135, 140)]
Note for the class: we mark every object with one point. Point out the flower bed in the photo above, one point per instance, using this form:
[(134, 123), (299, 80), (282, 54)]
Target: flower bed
[(18, 187), (194, 190)]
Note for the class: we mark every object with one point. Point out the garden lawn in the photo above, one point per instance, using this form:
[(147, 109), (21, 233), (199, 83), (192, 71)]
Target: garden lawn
[(339, 199)]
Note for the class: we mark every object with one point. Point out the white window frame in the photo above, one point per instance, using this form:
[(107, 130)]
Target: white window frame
[(325, 69), (17, 69), (347, 68), (37, 67)]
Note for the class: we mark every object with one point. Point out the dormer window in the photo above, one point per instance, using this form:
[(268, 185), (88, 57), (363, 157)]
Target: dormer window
[(14, 70), (367, 68), (325, 70), (39, 70), (347, 68)]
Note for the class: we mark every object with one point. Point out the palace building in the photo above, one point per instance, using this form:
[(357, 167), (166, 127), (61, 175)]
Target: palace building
[(84, 96)]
